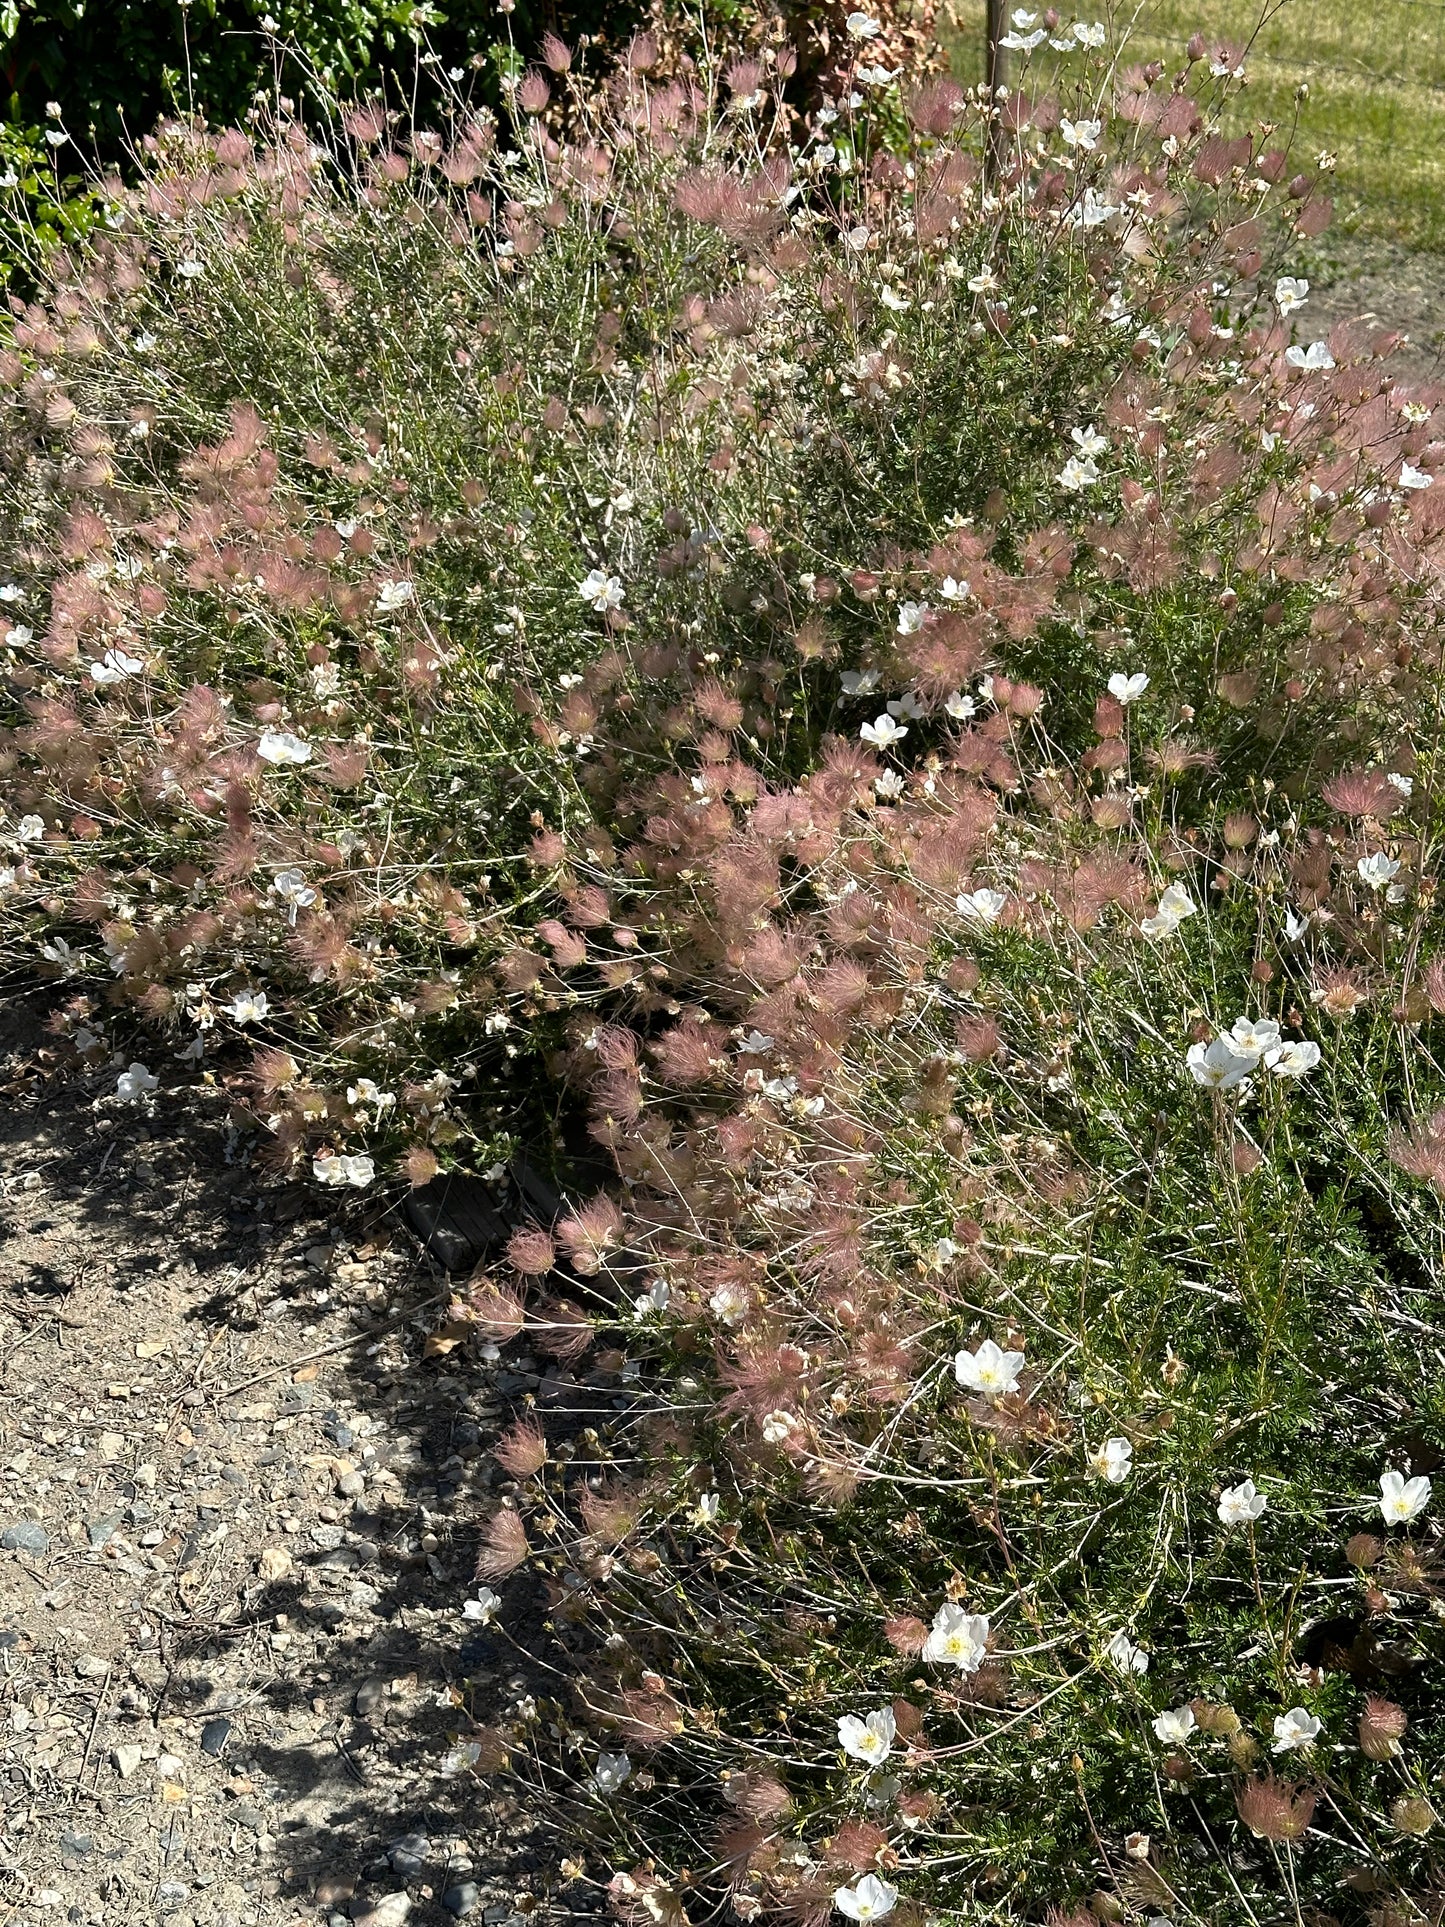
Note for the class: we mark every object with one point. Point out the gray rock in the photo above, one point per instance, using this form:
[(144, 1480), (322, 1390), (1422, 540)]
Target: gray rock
[(25, 1537), (462, 1899), (391, 1910), (410, 1854), (369, 1696), (214, 1735), (100, 1532)]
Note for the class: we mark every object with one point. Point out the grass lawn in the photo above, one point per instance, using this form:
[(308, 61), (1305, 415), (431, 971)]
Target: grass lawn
[(1376, 74)]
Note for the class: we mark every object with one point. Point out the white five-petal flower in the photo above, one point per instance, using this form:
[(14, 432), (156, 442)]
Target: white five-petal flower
[(871, 1899), (281, 748), (1082, 133), (981, 906), (114, 666), (1175, 904), (339, 1171), (1295, 1729), (1402, 1500), (1241, 1505), (883, 732), (1292, 1059), (1127, 689), (1175, 1726), (1216, 1066), (134, 1084), (957, 1638), (1376, 870), (600, 591), (870, 1739), (989, 1370), (610, 1771), (1123, 1653), (1113, 1460), (1078, 472)]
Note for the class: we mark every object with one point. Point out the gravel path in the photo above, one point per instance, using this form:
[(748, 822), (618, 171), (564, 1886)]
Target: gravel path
[(238, 1507)]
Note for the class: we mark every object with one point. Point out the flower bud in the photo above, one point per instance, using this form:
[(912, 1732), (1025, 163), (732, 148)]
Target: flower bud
[(1381, 1728), (1412, 1813)]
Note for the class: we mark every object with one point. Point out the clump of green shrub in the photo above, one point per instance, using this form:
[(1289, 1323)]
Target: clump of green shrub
[(861, 659)]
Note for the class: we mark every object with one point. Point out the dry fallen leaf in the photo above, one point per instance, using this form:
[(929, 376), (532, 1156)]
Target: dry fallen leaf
[(446, 1339)]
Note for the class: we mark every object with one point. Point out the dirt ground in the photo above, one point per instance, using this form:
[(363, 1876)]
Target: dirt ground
[(238, 1509), (1358, 278)]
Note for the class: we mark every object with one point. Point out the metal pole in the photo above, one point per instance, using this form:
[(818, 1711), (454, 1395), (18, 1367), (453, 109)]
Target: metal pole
[(995, 67)]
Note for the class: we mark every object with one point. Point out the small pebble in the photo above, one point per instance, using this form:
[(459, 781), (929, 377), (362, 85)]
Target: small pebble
[(462, 1899), (127, 1759), (214, 1735), (369, 1696)]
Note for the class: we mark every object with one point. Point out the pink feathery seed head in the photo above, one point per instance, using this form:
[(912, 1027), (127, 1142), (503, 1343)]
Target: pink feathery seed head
[(561, 1328), (610, 1513), (744, 76), (617, 1048), (688, 1054), (857, 1844), (590, 1233), (1361, 792), (420, 1165), (757, 1794), (504, 1545), (1274, 1809), (1420, 1151), (522, 1448), (652, 1715), (934, 107), (978, 1038), (534, 94), (531, 1251), (497, 1309), (1339, 993), (1025, 700), (556, 53)]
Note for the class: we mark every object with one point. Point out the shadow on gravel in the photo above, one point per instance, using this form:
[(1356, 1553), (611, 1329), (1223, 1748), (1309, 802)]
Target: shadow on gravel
[(260, 1499)]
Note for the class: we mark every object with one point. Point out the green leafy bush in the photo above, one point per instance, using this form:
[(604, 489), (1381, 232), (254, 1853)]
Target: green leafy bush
[(114, 70), (42, 203), (905, 700)]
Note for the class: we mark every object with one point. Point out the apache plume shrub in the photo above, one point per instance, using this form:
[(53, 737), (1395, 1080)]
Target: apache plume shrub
[(991, 929)]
